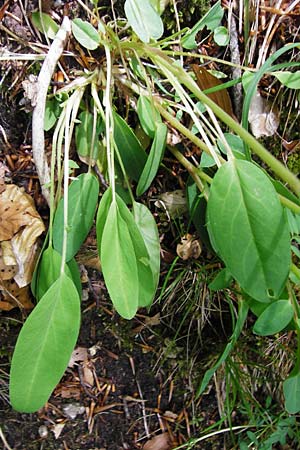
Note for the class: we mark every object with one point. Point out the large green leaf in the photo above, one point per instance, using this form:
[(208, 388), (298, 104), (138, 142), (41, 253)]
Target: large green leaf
[(274, 318), (146, 285), (118, 262), (82, 202), (132, 154), (144, 19), (249, 230), (154, 159), (44, 346), (85, 34), (148, 229), (291, 390)]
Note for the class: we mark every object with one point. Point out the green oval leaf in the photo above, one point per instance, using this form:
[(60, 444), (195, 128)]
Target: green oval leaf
[(221, 36), (291, 391), (102, 214), (82, 202), (274, 318), (131, 152), (248, 228), (143, 19), (44, 346), (148, 115), (148, 229), (84, 137), (289, 79), (154, 159), (85, 34), (48, 271), (118, 262), (146, 283), (44, 24)]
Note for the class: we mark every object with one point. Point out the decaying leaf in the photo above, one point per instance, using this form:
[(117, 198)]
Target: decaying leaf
[(161, 442), (13, 296), (263, 118), (189, 247), (174, 203), (20, 226), (206, 80), (78, 355)]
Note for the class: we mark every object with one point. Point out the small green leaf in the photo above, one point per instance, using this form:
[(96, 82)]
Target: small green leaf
[(84, 136), (146, 285), (132, 154), (82, 202), (48, 271), (149, 117), (274, 318), (148, 229), (143, 19), (154, 159), (210, 20), (118, 262), (221, 36), (249, 230), (85, 34), (44, 24), (235, 143), (52, 111), (44, 346), (291, 391), (221, 281), (288, 79)]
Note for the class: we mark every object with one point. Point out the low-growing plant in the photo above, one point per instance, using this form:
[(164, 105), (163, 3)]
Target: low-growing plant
[(249, 216)]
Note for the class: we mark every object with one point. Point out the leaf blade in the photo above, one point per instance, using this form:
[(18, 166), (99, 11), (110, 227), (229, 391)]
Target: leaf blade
[(44, 346), (256, 250), (82, 202)]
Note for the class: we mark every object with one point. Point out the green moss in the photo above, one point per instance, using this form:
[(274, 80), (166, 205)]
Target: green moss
[(293, 163)]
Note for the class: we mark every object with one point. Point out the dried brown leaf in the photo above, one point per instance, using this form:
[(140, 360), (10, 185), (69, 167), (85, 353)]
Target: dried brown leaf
[(78, 355), (16, 210), (189, 247), (206, 80), (160, 442), (14, 297)]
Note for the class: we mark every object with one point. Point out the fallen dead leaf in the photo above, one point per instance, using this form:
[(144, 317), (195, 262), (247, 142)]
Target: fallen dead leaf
[(20, 226), (16, 211), (14, 296), (161, 442), (263, 118), (189, 247), (78, 355)]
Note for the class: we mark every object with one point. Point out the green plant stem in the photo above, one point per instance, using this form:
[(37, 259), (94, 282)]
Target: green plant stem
[(289, 204), (278, 168), (182, 129), (192, 170)]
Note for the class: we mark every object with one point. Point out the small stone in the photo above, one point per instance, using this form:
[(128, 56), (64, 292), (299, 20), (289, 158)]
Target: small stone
[(43, 431)]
